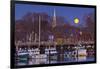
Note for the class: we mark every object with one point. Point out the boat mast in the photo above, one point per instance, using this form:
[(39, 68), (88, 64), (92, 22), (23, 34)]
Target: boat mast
[(39, 30)]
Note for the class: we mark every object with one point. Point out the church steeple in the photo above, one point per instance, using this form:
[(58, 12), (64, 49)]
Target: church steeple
[(54, 19)]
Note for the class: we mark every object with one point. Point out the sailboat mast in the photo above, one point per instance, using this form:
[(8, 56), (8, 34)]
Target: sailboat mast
[(39, 30)]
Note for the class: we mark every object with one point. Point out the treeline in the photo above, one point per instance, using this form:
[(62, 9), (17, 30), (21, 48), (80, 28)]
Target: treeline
[(30, 23)]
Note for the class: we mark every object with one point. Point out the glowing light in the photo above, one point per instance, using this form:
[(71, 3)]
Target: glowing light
[(76, 20), (80, 33)]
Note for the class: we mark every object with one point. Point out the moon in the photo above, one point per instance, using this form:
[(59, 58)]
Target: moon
[(76, 20)]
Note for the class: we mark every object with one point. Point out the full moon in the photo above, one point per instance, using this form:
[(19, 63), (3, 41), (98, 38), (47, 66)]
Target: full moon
[(76, 20)]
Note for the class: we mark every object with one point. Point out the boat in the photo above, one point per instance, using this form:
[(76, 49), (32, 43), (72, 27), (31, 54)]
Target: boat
[(50, 51)]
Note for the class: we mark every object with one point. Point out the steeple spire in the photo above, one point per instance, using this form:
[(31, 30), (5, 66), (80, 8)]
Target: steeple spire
[(54, 19)]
